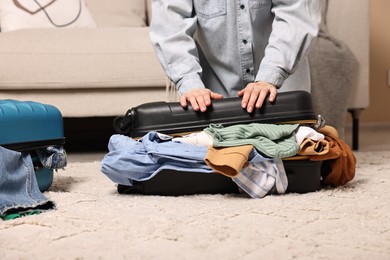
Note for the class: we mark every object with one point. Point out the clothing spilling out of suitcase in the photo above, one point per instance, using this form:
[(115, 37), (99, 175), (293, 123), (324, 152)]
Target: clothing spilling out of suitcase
[(253, 159)]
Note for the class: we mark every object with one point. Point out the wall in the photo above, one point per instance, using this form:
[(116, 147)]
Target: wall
[(379, 109)]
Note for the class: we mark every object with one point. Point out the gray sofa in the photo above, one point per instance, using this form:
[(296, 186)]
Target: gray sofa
[(102, 71)]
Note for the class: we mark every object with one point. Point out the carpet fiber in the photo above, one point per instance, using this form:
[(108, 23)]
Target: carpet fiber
[(92, 221)]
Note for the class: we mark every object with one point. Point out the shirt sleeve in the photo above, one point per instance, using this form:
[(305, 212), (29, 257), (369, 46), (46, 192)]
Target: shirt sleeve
[(295, 26), (171, 31)]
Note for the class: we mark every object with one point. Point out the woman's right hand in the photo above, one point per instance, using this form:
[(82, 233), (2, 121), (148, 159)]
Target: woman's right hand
[(199, 98)]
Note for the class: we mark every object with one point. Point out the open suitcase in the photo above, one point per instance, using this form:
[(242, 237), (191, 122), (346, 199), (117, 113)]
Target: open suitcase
[(26, 126), (170, 118)]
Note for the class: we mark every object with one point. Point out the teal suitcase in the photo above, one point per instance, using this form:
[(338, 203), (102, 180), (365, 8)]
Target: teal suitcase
[(26, 126)]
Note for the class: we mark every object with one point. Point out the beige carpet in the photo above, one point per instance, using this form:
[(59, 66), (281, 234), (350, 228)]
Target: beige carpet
[(93, 222)]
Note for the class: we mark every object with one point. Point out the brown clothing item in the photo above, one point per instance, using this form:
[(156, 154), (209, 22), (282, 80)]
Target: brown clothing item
[(310, 147), (228, 160), (340, 159)]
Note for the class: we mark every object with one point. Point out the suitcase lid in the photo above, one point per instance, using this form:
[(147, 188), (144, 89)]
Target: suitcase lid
[(171, 118), (28, 124)]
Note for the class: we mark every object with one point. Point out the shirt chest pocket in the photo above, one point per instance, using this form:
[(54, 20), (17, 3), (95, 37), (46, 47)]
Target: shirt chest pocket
[(257, 4), (208, 9)]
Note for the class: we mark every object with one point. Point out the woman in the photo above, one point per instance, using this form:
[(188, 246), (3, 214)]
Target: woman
[(212, 49)]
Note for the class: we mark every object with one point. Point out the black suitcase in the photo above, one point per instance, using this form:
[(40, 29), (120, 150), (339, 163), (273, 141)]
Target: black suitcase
[(170, 118)]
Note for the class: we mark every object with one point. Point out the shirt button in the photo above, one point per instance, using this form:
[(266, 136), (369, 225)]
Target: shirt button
[(248, 70), (242, 7), (245, 41)]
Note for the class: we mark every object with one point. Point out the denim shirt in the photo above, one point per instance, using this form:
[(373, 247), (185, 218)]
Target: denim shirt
[(225, 44), (129, 160)]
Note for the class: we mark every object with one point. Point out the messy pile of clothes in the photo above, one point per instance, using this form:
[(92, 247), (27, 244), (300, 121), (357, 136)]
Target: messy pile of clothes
[(251, 154)]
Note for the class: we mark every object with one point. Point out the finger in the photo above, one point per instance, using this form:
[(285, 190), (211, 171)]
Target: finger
[(245, 100), (207, 99), (246, 93), (272, 95), (201, 103), (214, 95), (252, 101), (183, 101), (194, 103), (260, 100)]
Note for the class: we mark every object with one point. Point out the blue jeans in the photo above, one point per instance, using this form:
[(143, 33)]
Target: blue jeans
[(18, 185), (52, 157)]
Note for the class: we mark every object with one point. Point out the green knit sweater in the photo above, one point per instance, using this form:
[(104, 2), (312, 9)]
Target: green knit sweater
[(271, 140)]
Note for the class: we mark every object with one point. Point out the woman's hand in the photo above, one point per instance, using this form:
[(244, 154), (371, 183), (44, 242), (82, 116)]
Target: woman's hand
[(199, 98), (254, 94)]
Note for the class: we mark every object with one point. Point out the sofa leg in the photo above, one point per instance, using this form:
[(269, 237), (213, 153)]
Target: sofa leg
[(355, 113)]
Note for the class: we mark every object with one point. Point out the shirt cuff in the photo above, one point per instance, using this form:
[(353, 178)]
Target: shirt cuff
[(273, 75), (189, 82)]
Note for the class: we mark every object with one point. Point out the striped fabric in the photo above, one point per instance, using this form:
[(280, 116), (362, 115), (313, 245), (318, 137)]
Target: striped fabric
[(262, 177)]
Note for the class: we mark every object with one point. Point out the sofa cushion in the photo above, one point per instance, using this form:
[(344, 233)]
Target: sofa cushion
[(118, 13), (120, 57), (22, 14)]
